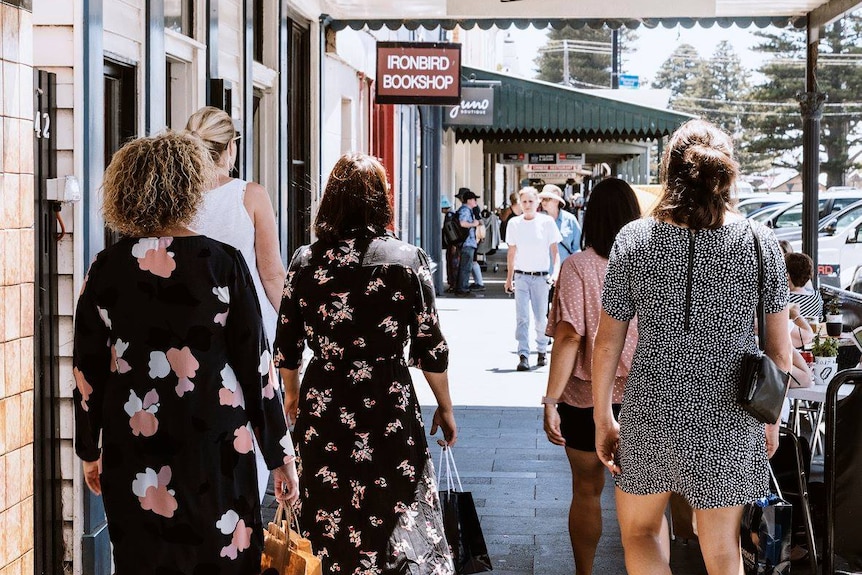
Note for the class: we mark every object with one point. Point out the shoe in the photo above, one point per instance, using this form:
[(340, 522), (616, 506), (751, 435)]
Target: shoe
[(450, 289), (541, 361), (523, 365), (477, 287), (464, 294)]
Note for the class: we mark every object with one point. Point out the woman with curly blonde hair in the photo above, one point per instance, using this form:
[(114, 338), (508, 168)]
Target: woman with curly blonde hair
[(169, 391)]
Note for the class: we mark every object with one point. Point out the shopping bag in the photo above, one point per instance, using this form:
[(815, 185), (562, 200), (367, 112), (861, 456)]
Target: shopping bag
[(766, 531), (285, 551), (461, 522)]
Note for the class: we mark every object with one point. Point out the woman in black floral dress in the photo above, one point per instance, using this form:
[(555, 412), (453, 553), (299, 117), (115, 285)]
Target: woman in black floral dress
[(173, 377), (368, 499)]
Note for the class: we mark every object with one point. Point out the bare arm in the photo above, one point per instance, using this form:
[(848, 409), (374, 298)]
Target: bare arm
[(555, 259), (290, 377), (607, 349), (567, 342), (777, 347), (444, 417), (266, 250), (510, 266)]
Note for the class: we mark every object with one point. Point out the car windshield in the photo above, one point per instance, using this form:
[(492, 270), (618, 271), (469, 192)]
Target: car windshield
[(845, 219)]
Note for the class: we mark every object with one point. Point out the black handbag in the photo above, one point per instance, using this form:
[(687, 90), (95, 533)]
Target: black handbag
[(762, 386), (461, 523)]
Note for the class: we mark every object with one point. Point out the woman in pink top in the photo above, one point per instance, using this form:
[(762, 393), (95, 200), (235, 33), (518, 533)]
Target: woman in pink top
[(572, 323)]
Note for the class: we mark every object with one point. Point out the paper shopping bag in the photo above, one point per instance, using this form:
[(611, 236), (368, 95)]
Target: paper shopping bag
[(461, 524), (285, 552)]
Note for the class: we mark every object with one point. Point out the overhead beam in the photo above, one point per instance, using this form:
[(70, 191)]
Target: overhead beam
[(827, 13)]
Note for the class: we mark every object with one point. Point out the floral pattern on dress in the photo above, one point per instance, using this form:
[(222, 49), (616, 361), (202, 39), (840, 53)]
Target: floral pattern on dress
[(170, 400), (369, 502)]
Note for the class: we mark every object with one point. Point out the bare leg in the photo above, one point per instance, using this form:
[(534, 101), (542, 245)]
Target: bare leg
[(718, 535), (644, 531), (585, 511)]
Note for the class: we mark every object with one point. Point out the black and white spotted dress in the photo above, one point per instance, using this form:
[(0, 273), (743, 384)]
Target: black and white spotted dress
[(695, 295)]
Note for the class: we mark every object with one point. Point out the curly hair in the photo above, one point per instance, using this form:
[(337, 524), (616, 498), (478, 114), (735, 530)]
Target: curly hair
[(356, 197), (155, 183), (800, 268), (698, 170)]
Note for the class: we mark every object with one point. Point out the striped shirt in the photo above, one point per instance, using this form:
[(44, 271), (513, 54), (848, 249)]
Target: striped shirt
[(810, 303)]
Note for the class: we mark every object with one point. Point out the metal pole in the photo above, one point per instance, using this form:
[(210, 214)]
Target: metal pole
[(615, 59), (811, 105), (566, 76)]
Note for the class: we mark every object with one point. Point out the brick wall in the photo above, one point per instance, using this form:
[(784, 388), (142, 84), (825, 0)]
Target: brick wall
[(16, 288)]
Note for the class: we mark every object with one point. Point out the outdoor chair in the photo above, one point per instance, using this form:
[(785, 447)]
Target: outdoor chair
[(843, 474), (792, 467)]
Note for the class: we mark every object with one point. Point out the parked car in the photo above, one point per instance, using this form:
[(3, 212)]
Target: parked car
[(828, 203), (764, 214), (839, 254), (828, 226), (751, 204)]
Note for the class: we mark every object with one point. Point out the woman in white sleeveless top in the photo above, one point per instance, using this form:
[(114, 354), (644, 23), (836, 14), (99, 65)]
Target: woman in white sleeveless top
[(240, 214)]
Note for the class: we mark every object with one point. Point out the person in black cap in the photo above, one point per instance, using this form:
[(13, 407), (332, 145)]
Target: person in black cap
[(469, 200)]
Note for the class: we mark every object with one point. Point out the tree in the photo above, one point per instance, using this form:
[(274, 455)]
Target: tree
[(589, 54), (775, 125), (680, 73)]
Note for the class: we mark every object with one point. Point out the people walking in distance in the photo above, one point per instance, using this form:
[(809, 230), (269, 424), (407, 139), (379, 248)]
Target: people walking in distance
[(240, 214), (451, 243), (568, 401), (468, 247), (552, 202), (532, 239), (357, 296), (512, 210), (689, 274), (168, 349)]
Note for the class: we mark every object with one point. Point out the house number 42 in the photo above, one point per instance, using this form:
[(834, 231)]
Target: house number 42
[(42, 125)]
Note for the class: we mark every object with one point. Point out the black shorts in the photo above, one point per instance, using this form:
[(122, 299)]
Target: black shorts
[(577, 426)]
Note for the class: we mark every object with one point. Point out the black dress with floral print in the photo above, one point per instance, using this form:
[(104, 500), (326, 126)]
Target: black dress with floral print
[(174, 375), (368, 498)]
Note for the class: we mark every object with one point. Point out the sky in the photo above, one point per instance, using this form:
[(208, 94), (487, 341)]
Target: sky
[(653, 46)]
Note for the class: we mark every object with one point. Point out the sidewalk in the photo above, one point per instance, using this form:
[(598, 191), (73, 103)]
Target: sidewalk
[(520, 482)]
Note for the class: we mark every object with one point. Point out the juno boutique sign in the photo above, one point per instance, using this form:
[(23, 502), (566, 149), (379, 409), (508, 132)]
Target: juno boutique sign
[(418, 73)]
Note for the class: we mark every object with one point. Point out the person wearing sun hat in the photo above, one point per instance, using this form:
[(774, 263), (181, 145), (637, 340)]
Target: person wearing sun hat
[(468, 220), (553, 203)]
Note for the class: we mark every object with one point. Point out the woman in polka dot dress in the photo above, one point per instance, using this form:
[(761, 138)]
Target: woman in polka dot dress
[(689, 275)]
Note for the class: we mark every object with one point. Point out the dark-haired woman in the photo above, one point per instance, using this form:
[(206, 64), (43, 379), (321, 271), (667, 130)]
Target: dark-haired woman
[(358, 296), (568, 401), (689, 274)]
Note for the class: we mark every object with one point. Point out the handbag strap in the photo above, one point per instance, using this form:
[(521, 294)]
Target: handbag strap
[(774, 481), (761, 315)]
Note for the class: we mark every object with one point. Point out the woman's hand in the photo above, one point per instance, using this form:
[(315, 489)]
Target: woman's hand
[(92, 475), (552, 425), (607, 444), (286, 483), (771, 439), (445, 419)]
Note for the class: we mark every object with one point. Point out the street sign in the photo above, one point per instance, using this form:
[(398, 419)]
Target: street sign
[(630, 81)]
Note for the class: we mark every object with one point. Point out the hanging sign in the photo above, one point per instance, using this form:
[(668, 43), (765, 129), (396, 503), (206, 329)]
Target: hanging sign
[(476, 108), (512, 158), (418, 73), (542, 158)]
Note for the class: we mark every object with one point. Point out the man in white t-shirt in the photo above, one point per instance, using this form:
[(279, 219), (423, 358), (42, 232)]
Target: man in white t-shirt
[(532, 239)]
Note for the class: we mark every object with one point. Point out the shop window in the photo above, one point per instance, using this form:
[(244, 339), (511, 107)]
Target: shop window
[(179, 16)]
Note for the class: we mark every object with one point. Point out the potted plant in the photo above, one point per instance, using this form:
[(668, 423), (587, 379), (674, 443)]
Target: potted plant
[(825, 351), (834, 319)]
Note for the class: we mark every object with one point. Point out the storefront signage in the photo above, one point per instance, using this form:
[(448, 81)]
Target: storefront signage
[(476, 108), (551, 176), (512, 158), (418, 73), (542, 158), (551, 167), (572, 159)]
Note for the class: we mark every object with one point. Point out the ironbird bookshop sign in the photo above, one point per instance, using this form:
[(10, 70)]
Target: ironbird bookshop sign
[(418, 73)]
